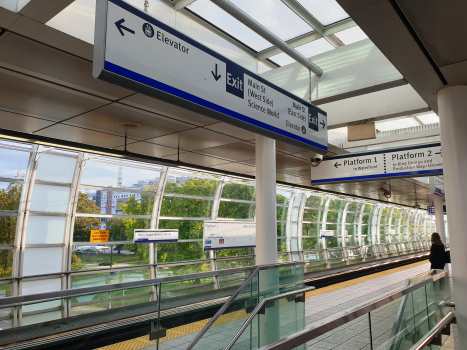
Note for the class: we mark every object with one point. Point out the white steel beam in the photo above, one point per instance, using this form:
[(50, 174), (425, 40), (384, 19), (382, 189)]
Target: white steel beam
[(311, 20), (44, 10), (254, 25), (308, 38)]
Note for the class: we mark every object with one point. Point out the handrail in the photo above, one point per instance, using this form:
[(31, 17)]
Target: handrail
[(434, 332), (309, 333), (221, 310), (259, 307), (70, 293), (400, 311)]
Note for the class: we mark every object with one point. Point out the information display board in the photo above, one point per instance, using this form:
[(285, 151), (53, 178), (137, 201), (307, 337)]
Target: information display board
[(99, 236), (135, 50), (228, 235), (326, 233), (154, 236), (437, 186), (390, 163)]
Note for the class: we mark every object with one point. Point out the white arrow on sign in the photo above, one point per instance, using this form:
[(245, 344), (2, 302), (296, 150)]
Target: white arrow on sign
[(159, 61), (391, 163)]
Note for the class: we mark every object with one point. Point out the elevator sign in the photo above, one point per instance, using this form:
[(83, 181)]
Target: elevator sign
[(391, 163), (135, 50)]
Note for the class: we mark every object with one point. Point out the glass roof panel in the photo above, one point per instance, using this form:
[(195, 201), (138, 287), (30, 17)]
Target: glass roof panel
[(395, 124), (275, 16), (430, 118), (326, 11), (308, 50), (78, 19), (351, 35), (215, 15)]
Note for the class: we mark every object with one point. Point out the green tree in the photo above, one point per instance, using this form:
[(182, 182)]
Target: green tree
[(10, 198), (6, 259), (83, 225)]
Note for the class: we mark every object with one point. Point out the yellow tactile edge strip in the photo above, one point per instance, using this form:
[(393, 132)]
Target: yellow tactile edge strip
[(173, 333)]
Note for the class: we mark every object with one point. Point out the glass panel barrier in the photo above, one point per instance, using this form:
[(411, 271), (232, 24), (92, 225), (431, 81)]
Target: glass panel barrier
[(395, 322), (269, 283)]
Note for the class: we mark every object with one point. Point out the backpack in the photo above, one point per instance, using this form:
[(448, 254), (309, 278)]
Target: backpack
[(447, 256)]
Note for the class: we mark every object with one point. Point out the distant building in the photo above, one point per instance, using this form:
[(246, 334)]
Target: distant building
[(109, 201)]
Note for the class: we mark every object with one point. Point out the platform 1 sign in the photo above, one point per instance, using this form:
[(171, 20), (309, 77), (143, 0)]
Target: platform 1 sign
[(391, 163), (228, 235), (136, 51), (155, 236)]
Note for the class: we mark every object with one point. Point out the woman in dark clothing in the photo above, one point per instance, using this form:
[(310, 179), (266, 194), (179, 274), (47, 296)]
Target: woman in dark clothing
[(437, 254)]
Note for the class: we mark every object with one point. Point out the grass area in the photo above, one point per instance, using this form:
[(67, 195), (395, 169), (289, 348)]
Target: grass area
[(81, 260)]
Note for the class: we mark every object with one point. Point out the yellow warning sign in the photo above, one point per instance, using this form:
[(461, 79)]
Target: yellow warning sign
[(99, 235)]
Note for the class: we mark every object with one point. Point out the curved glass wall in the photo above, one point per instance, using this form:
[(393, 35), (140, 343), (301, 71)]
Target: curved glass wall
[(51, 199)]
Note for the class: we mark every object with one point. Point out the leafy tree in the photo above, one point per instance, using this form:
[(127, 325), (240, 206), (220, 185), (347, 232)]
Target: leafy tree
[(117, 231), (83, 225), (238, 191), (10, 198), (6, 259)]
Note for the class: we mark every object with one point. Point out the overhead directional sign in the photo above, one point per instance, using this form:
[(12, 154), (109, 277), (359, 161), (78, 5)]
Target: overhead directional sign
[(134, 50), (391, 163)]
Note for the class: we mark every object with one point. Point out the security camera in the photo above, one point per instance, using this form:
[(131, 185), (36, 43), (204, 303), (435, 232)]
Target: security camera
[(386, 193), (316, 159)]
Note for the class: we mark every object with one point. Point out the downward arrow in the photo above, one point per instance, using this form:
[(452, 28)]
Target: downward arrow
[(322, 123), (337, 165), (217, 77), (120, 27)]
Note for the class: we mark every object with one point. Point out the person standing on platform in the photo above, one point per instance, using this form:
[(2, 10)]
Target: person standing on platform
[(438, 252)]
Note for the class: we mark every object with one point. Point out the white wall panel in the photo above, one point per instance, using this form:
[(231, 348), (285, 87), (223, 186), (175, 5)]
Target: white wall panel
[(40, 261), (45, 229), (50, 198), (41, 286), (55, 168)]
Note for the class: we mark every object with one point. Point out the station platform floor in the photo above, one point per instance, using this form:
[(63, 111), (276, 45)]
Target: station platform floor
[(321, 306)]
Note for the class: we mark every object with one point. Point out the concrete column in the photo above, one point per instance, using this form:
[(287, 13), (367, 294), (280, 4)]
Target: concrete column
[(452, 110), (266, 218), (266, 236), (439, 216)]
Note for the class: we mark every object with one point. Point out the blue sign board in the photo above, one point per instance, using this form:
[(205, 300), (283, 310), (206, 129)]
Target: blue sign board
[(137, 51)]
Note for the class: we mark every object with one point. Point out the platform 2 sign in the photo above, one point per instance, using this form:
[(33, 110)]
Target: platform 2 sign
[(391, 163), (228, 235), (136, 51), (155, 236)]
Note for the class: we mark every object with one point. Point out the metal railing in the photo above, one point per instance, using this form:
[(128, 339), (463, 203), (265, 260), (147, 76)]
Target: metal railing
[(224, 307), (446, 321), (259, 307), (398, 324), (71, 293), (310, 333)]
